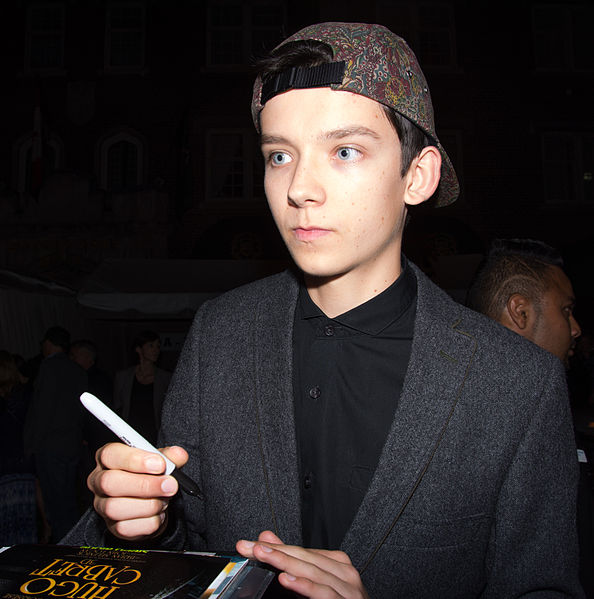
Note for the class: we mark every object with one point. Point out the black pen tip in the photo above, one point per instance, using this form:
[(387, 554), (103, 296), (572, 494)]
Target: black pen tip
[(187, 484)]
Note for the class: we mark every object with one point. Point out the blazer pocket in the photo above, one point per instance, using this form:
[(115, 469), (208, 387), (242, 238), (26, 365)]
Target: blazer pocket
[(456, 532)]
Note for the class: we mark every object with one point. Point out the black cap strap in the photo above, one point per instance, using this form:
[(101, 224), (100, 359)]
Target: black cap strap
[(302, 78)]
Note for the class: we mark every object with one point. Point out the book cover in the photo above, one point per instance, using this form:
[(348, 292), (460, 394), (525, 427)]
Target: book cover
[(45, 571)]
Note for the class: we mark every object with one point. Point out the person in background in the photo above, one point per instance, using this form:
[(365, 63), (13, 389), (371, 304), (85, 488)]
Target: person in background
[(14, 402), (521, 284), (53, 432), (22, 515), (139, 391), (84, 353), (96, 434)]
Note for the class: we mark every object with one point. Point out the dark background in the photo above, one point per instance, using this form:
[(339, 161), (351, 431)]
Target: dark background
[(149, 159)]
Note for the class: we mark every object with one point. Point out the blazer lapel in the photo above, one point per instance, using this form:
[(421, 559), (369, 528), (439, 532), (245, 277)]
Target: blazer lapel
[(440, 357), (273, 357)]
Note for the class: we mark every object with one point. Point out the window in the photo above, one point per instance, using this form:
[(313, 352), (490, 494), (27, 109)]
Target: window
[(568, 167), (125, 37), (238, 31), (28, 178), (45, 38), (428, 27), (562, 37), (121, 161), (235, 167)]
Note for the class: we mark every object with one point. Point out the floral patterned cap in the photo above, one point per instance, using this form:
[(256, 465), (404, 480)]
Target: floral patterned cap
[(371, 61)]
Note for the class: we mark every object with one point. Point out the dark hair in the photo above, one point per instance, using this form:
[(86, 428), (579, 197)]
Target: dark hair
[(144, 337), (59, 336), (141, 338), (512, 266), (311, 53)]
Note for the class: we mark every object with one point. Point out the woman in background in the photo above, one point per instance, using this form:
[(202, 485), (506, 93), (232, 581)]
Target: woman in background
[(139, 391)]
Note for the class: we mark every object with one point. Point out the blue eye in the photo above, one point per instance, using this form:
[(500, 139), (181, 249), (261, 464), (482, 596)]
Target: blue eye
[(279, 158), (347, 153)]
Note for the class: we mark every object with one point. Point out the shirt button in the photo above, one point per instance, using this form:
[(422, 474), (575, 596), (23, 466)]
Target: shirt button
[(315, 392), (307, 481), (328, 330)]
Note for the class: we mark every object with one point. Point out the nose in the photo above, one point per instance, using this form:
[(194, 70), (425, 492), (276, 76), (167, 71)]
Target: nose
[(305, 187), (576, 331)]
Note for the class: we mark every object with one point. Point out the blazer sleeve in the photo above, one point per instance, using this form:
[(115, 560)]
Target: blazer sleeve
[(534, 540), (161, 385), (181, 410)]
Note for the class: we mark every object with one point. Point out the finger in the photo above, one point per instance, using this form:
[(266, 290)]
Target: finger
[(308, 555), (127, 508), (267, 536), (245, 548), (118, 483), (317, 566), (117, 456), (138, 528), (306, 588)]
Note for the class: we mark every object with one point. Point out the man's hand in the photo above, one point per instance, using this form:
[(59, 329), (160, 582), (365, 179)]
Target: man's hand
[(310, 572), (131, 491)]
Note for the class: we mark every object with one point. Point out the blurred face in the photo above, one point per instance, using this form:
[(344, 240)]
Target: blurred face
[(47, 348), (556, 329), (82, 357), (149, 351), (332, 180)]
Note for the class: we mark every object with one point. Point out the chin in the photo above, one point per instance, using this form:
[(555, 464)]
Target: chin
[(316, 268)]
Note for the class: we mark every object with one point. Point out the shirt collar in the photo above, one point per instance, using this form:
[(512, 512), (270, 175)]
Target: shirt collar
[(375, 314)]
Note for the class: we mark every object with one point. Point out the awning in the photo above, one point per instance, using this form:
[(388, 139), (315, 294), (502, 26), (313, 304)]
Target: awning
[(165, 288)]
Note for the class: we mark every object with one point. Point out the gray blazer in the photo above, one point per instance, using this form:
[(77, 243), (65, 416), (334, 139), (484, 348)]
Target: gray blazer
[(475, 491)]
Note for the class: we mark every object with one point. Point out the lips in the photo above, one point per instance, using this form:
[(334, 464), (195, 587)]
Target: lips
[(310, 233)]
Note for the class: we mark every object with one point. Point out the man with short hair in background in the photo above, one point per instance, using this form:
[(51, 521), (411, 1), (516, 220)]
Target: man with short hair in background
[(54, 430), (522, 284)]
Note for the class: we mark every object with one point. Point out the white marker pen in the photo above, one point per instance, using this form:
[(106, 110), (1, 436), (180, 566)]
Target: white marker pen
[(130, 437)]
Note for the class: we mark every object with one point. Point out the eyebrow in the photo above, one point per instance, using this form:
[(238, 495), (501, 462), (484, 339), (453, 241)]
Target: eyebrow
[(348, 132), (340, 133), (272, 139)]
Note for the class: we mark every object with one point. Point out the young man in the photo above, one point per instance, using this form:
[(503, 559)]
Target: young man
[(522, 285), (351, 425)]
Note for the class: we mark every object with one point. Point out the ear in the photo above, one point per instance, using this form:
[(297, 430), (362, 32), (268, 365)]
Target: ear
[(519, 315), (423, 176)]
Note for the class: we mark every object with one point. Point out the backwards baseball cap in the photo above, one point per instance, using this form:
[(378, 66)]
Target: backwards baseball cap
[(371, 61)]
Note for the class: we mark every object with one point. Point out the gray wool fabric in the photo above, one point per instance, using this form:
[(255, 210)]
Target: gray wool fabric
[(475, 491)]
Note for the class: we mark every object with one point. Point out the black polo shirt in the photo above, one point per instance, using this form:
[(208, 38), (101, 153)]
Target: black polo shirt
[(348, 375)]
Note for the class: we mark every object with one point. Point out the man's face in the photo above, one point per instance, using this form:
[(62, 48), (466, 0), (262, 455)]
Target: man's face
[(82, 357), (46, 348), (332, 180), (555, 328)]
